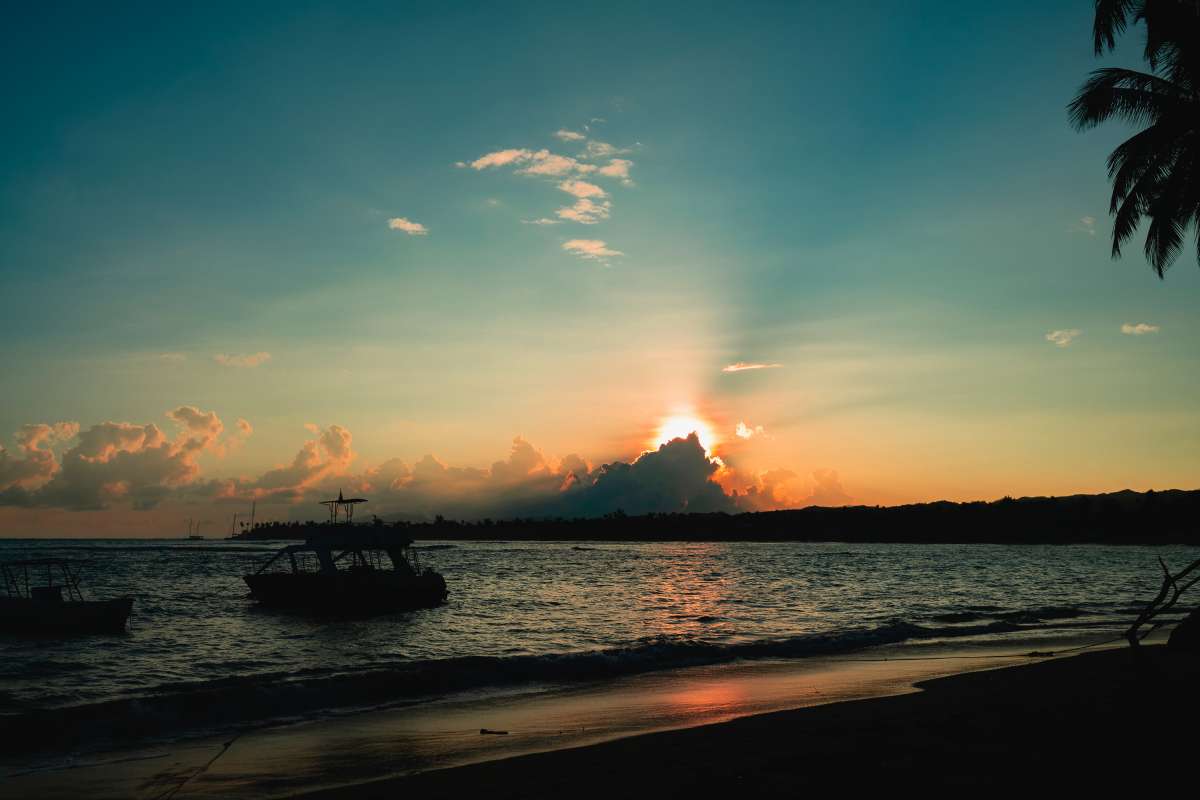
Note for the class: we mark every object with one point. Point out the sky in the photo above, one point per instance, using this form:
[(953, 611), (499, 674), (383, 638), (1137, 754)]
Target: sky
[(484, 260)]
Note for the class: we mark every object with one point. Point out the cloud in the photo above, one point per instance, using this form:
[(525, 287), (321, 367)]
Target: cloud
[(744, 431), (582, 189), (172, 358), (1063, 338), (568, 136), (590, 248), (408, 226), (597, 149), (543, 162), (617, 168), (243, 360), (827, 490), (742, 366), (1087, 225), (138, 467), (120, 462), (542, 221), (585, 211), (591, 204), (38, 463), (500, 158), (1140, 329)]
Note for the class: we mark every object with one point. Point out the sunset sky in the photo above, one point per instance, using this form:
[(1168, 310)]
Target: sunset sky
[(458, 257)]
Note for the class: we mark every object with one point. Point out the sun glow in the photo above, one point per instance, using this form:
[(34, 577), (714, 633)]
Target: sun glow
[(679, 426)]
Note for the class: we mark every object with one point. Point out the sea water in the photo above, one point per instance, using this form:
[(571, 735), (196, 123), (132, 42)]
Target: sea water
[(529, 613)]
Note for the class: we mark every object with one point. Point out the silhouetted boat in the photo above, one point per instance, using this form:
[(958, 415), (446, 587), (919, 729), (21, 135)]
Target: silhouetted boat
[(346, 568), (43, 610)]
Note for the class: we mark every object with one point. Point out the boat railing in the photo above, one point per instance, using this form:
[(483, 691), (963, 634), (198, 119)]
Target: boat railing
[(19, 580)]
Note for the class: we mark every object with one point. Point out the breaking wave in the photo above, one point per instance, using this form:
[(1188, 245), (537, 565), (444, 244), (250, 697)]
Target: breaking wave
[(180, 709)]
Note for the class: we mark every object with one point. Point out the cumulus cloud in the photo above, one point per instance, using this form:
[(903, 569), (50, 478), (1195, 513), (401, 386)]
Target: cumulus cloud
[(139, 466), (743, 366), (37, 463), (593, 249), (1140, 329), (568, 136), (408, 226), (242, 360), (827, 489), (118, 462), (1064, 337), (617, 168)]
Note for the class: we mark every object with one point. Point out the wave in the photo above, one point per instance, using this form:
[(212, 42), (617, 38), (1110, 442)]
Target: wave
[(187, 709), (1024, 616)]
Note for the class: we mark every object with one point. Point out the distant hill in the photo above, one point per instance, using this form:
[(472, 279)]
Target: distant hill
[(1126, 517)]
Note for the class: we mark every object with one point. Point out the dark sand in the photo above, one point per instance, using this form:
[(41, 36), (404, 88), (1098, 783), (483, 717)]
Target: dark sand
[(1098, 721)]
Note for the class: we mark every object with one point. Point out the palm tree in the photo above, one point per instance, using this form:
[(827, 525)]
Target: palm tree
[(1155, 173)]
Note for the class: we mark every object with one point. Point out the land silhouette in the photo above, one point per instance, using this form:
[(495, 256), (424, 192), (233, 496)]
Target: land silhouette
[(1126, 517)]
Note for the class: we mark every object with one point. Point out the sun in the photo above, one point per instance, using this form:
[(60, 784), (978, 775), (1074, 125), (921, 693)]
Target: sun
[(680, 426)]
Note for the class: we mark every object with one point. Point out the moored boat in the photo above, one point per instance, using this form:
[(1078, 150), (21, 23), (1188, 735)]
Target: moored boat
[(57, 607), (348, 569)]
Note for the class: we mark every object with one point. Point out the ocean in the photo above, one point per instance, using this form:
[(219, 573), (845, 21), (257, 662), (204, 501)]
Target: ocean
[(200, 655)]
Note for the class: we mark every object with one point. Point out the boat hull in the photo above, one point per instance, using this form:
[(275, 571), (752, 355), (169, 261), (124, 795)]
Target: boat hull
[(33, 618), (348, 592)]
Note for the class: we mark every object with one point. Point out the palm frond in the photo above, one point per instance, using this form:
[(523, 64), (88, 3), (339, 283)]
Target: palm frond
[(1112, 17), (1136, 97)]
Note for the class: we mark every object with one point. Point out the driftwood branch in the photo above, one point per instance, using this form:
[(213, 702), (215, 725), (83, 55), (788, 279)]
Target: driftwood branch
[(1160, 603)]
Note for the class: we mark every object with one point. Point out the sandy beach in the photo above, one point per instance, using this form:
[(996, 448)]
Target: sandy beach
[(1093, 721), (1088, 720)]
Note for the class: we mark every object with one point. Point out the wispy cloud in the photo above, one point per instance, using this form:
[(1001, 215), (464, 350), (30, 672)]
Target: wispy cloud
[(1140, 329), (1063, 338), (744, 431), (592, 201), (742, 366), (172, 358), (593, 249), (597, 149), (586, 211), (1086, 225), (242, 360), (582, 189), (500, 158), (408, 226), (543, 162)]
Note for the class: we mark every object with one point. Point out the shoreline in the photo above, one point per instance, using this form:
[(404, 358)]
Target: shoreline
[(1082, 721), (399, 744)]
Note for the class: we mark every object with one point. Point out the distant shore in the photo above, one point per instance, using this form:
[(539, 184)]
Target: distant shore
[(1127, 517), (1094, 721)]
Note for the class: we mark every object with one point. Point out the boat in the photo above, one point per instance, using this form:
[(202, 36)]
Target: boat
[(345, 568), (58, 606)]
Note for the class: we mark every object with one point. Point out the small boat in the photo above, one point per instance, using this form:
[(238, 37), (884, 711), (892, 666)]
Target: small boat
[(195, 538), (348, 569), (57, 607)]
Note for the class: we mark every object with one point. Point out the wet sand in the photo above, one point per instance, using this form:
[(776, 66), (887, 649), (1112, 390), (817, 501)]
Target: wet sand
[(1098, 721), (1085, 720)]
